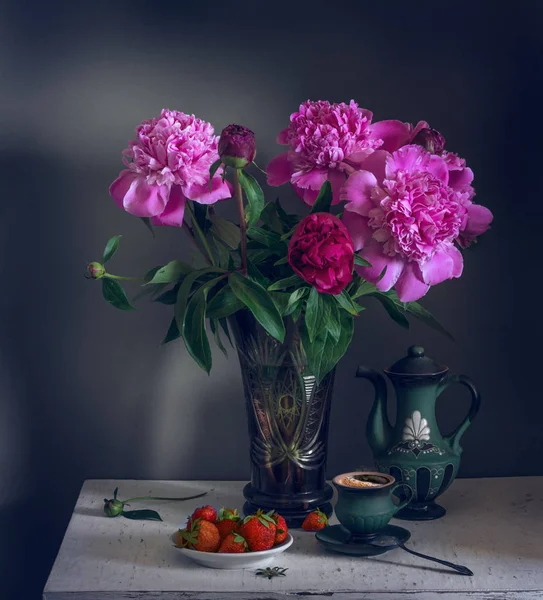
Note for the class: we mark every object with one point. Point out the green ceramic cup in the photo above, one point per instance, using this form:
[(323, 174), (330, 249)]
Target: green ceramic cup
[(364, 505)]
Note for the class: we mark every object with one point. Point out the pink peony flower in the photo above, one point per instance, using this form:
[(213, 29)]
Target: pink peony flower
[(405, 212), (325, 142), (168, 163), (321, 252)]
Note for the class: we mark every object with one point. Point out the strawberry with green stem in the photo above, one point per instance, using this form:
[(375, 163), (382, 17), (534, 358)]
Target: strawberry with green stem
[(259, 530), (315, 521)]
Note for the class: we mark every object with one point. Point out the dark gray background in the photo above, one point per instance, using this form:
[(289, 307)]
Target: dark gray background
[(86, 391)]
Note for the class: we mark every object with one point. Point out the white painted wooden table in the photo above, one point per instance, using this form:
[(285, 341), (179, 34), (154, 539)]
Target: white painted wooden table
[(493, 526)]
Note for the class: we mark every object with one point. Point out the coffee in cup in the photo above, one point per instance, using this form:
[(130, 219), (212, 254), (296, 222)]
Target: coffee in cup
[(364, 505)]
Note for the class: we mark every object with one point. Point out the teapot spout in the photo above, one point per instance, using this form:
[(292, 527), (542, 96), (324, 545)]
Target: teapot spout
[(378, 429)]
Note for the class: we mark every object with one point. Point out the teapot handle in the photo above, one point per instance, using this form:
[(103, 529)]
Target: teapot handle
[(407, 500), (454, 437)]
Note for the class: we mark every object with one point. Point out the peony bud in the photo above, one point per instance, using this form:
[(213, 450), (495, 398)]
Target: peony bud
[(113, 508), (237, 146), (95, 270), (431, 140)]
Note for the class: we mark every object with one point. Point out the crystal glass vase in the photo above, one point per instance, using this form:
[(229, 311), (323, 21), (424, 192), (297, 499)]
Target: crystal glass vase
[(288, 414)]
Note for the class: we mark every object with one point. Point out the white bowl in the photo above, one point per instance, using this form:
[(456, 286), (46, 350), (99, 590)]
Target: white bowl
[(245, 560)]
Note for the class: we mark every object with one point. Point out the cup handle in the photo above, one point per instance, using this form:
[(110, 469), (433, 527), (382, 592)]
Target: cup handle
[(405, 502)]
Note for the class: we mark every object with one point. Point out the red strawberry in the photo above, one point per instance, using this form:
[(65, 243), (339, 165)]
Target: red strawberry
[(228, 521), (200, 535), (206, 513), (233, 543), (282, 530), (315, 521), (259, 531)]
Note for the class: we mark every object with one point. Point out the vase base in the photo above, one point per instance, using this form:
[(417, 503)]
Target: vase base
[(422, 512), (294, 508)]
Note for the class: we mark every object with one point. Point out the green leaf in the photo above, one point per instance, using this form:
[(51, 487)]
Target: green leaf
[(417, 310), (281, 261), (172, 334), (111, 248), (344, 300), (258, 255), (333, 323), (298, 308), (323, 353), (255, 274), (212, 170), (224, 326), (286, 235), (362, 262), (223, 304), (288, 220), (281, 301), (297, 295), (364, 288), (271, 219), (255, 197), (214, 325), (260, 303), (394, 311), (141, 515), (295, 301), (324, 199), (168, 297), (151, 273), (313, 313), (225, 230), (147, 222), (114, 294), (194, 329), (283, 284), (184, 293), (269, 239), (221, 253), (171, 273)]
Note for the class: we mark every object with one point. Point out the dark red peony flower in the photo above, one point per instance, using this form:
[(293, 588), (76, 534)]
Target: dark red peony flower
[(430, 139), (237, 146), (321, 252)]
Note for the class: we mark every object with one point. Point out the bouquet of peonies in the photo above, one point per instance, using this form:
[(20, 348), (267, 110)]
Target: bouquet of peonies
[(404, 213)]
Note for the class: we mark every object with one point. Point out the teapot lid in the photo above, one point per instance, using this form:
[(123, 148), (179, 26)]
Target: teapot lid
[(415, 363)]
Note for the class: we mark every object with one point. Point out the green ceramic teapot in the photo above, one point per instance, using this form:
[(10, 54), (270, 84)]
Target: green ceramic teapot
[(414, 451)]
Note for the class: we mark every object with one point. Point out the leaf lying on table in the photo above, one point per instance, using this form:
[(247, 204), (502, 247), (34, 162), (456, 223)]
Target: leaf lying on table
[(141, 515), (270, 572)]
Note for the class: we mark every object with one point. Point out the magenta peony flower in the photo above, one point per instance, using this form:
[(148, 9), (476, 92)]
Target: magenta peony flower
[(406, 211), (325, 142), (168, 163), (237, 146), (321, 252)]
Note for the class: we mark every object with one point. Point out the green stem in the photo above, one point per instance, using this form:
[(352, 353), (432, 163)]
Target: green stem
[(190, 233), (242, 224), (201, 234), (111, 276), (161, 498)]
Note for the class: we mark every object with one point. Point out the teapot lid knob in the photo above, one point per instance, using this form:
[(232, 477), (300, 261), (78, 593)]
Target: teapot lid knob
[(416, 363)]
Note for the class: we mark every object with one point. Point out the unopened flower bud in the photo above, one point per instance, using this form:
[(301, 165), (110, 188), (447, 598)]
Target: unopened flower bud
[(431, 140), (237, 146), (95, 270), (113, 508)]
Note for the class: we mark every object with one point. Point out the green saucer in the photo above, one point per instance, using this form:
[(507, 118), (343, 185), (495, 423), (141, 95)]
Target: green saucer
[(339, 539)]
